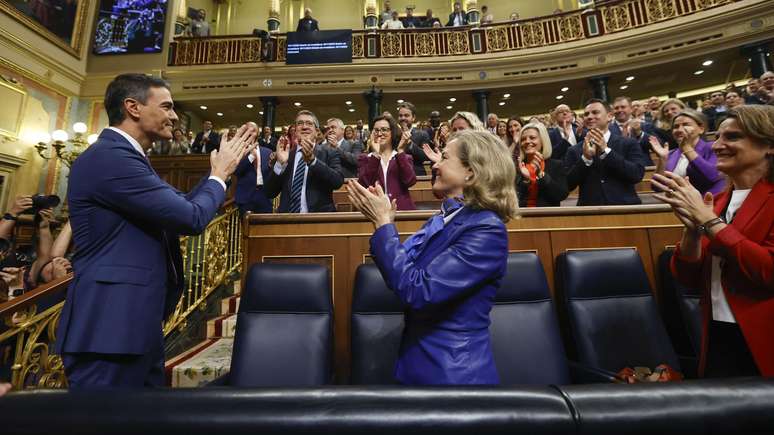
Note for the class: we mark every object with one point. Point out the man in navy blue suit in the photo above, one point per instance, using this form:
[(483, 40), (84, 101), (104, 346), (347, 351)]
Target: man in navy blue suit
[(125, 222), (624, 124), (605, 166), (250, 191)]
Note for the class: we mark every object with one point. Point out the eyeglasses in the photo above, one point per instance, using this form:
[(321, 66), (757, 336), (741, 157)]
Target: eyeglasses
[(302, 123), (382, 130)]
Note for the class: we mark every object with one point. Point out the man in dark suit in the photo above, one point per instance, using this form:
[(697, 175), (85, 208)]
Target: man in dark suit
[(125, 222), (206, 140), (606, 167), (716, 111), (565, 134), (624, 124), (306, 174), (458, 17), (350, 150), (250, 191), (307, 24), (416, 136), (267, 139)]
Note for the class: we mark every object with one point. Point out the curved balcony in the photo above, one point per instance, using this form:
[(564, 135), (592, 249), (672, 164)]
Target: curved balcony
[(606, 18)]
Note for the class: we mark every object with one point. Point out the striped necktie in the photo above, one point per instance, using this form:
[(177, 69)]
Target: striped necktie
[(297, 185)]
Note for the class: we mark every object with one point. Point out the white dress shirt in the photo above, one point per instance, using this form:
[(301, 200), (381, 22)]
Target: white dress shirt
[(721, 312), (279, 169), (137, 147), (607, 151)]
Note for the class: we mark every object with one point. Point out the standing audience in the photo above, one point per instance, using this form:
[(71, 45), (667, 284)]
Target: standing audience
[(543, 181)]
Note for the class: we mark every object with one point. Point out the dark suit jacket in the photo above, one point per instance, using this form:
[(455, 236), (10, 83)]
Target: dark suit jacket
[(552, 188), (250, 196), (448, 290), (212, 144), (418, 138), (322, 179), (644, 141), (608, 181), (400, 176), (560, 145), (350, 152), (747, 245), (128, 268), (270, 144), (464, 20), (307, 25)]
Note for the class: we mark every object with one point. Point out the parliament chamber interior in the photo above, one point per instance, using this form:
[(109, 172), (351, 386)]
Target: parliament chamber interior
[(341, 216)]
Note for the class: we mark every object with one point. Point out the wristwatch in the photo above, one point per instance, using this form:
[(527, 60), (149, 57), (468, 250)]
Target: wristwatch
[(10, 217), (705, 227)]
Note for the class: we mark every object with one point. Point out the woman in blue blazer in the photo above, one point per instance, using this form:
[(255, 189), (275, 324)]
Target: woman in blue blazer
[(447, 273)]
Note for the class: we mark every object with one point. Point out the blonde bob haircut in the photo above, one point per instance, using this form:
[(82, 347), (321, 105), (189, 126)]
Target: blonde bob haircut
[(491, 187), (542, 134), (472, 120)]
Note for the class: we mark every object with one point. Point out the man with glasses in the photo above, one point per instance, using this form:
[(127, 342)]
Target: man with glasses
[(305, 174), (413, 138)]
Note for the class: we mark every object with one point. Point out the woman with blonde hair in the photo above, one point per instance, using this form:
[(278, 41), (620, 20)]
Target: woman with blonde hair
[(466, 121), (663, 125), (543, 181), (448, 272)]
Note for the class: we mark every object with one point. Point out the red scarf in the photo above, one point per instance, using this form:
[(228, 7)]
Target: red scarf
[(532, 193)]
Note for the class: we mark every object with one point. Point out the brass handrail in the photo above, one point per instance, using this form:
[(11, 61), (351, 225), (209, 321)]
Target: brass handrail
[(208, 259), (605, 18)]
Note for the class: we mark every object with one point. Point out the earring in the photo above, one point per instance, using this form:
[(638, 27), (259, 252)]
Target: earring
[(467, 178)]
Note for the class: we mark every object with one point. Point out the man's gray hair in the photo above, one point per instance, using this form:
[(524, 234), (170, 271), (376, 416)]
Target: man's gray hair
[(339, 123)]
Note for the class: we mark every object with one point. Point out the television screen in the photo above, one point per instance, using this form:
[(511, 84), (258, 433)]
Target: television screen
[(130, 26), (324, 46)]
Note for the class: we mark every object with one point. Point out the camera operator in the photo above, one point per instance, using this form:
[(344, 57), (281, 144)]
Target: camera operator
[(21, 204)]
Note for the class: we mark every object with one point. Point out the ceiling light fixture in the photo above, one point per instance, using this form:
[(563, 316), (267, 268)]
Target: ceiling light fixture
[(502, 103), (219, 113), (449, 107), (630, 78), (400, 101), (260, 113), (249, 106), (452, 99), (297, 104), (559, 97), (699, 72), (624, 87), (506, 95), (203, 107), (348, 103), (351, 109), (706, 63), (565, 89)]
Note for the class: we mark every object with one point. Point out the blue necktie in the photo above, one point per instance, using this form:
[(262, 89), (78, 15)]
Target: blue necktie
[(297, 185), (413, 245)]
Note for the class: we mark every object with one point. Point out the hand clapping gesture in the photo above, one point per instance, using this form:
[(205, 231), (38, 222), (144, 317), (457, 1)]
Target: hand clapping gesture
[(662, 151), (307, 149), (431, 154), (283, 150), (375, 145), (405, 140), (372, 202), (687, 203), (224, 161)]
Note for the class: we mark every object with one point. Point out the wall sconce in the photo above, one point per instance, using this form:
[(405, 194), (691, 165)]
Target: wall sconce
[(59, 141)]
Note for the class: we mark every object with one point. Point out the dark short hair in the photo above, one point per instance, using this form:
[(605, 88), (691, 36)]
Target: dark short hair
[(134, 86), (409, 106), (395, 130), (600, 101)]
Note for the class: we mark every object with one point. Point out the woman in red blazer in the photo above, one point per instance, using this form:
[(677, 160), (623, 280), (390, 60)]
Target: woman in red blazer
[(727, 248), (388, 164)]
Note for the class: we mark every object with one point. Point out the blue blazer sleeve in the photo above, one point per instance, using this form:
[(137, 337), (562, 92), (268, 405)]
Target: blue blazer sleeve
[(471, 260), (131, 186)]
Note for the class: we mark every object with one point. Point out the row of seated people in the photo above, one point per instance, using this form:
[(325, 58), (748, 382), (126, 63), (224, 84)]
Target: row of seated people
[(603, 158)]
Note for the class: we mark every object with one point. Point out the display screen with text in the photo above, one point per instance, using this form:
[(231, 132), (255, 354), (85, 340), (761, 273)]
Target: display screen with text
[(322, 46)]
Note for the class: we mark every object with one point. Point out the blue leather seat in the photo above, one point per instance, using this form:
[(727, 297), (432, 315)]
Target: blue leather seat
[(612, 313), (377, 327), (685, 302), (284, 332), (526, 342)]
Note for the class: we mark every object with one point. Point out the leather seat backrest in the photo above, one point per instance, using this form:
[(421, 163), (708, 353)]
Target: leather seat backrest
[(612, 313), (526, 342), (284, 332)]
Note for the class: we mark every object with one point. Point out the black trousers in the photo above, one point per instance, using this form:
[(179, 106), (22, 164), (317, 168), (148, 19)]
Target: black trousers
[(727, 352)]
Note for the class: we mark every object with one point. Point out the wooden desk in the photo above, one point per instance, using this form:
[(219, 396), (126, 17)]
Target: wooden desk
[(340, 242)]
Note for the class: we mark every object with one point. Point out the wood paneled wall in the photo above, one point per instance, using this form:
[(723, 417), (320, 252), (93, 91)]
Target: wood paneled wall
[(183, 172), (340, 241)]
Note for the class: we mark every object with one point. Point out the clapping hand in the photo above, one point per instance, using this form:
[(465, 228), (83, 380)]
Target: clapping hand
[(372, 202), (224, 161), (405, 139), (537, 161), (687, 203), (431, 154), (283, 150), (661, 151), (307, 150), (374, 142)]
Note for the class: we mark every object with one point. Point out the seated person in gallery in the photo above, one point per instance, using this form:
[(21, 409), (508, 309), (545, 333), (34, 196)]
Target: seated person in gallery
[(448, 272)]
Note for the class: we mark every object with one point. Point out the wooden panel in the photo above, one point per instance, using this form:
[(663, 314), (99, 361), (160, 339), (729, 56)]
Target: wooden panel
[(343, 239), (183, 172)]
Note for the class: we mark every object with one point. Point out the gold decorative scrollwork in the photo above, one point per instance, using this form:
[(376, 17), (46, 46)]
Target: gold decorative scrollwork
[(391, 46), (706, 4), (660, 9), (497, 38), (251, 51), (216, 245), (357, 46), (424, 44), (532, 34), (281, 49), (616, 18), (458, 43), (570, 28)]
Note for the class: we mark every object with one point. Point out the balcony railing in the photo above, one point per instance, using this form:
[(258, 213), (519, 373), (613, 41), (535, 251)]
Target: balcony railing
[(607, 18), (30, 321)]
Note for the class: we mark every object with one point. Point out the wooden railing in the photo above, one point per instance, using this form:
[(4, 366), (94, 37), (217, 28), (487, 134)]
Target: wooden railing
[(30, 321), (607, 18)]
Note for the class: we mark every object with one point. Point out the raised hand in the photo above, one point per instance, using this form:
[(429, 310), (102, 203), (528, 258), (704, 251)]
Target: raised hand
[(687, 202), (524, 170), (21, 203), (307, 150), (537, 161), (375, 145), (431, 154), (661, 151), (405, 140), (283, 150), (46, 216), (372, 202), (223, 162)]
